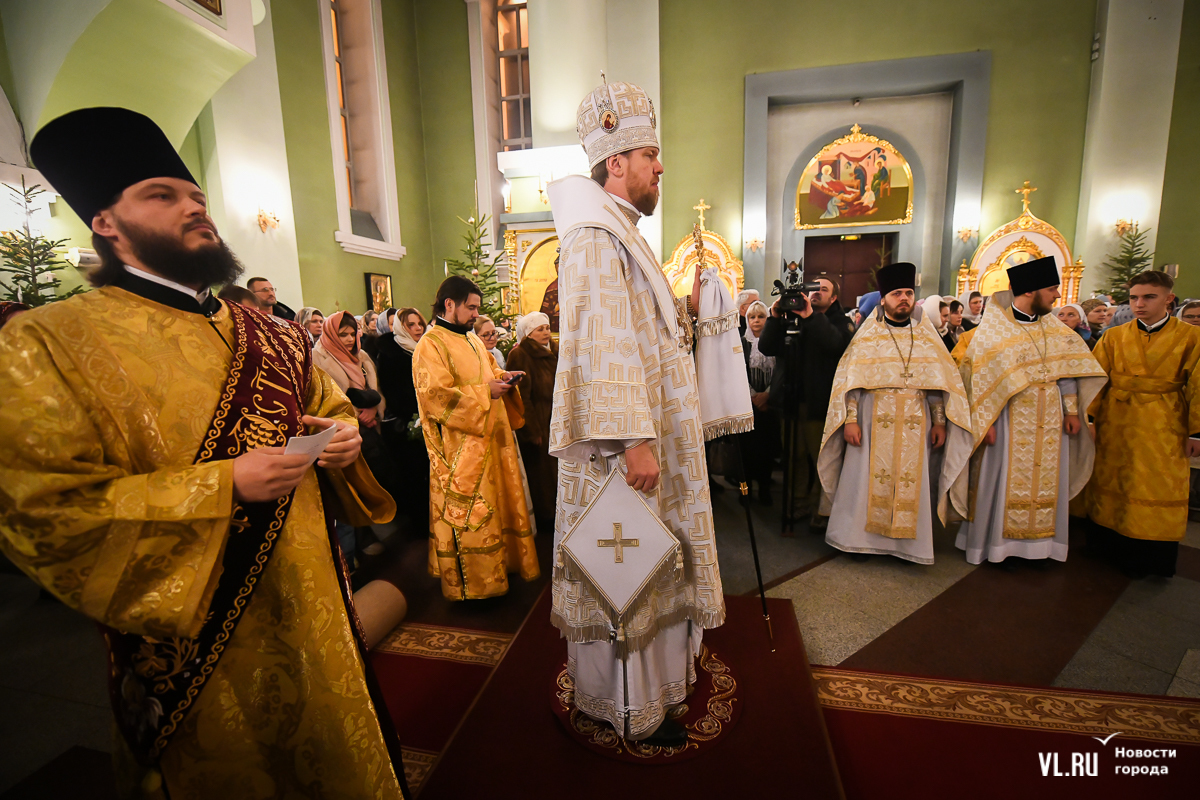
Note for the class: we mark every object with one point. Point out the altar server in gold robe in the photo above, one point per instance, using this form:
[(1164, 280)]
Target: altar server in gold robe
[(626, 398), (1147, 427), (897, 396), (143, 481), (1027, 376), (479, 522)]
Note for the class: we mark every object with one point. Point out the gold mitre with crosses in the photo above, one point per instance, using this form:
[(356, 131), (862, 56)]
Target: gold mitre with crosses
[(613, 118), (620, 547)]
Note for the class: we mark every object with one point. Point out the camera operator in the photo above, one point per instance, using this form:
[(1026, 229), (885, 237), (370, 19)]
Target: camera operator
[(807, 333)]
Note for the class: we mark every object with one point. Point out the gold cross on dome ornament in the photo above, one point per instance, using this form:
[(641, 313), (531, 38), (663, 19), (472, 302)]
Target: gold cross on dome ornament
[(617, 543), (1025, 191), (702, 207)]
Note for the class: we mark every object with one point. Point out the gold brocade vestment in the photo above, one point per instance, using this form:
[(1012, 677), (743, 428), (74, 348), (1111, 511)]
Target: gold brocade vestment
[(1143, 418), (478, 519), (108, 397), (899, 366), (1007, 364)]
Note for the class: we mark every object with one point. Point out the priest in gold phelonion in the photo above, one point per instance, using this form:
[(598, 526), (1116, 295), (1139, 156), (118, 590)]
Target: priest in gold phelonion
[(627, 401), (897, 397), (1029, 379), (144, 482)]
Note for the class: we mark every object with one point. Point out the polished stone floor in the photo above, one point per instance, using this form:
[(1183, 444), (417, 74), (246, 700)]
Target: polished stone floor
[(1080, 624)]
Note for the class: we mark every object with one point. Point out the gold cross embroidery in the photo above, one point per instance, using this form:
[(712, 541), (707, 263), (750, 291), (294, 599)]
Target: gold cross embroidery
[(907, 480), (885, 420), (914, 422), (883, 476), (617, 543)]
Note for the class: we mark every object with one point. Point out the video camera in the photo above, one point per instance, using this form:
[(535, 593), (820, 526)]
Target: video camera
[(795, 296)]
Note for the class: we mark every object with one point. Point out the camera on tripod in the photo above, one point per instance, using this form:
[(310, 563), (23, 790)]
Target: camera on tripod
[(795, 296)]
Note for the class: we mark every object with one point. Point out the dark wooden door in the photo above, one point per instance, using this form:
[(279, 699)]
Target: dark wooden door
[(849, 259)]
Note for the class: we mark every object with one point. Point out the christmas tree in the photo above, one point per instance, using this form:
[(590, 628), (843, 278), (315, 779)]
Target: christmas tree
[(28, 261), (476, 266), (1133, 257)]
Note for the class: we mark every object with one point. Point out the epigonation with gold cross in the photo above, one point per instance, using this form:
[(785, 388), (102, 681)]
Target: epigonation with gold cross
[(1023, 239), (680, 268), (599, 550)]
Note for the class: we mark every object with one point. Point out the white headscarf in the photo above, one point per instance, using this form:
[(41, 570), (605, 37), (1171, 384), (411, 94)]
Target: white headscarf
[(965, 299), (933, 310), (402, 336), (1078, 310), (529, 323), (761, 367)]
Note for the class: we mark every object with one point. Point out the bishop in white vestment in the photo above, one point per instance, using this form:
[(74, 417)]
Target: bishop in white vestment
[(896, 396), (626, 379), (1027, 376)]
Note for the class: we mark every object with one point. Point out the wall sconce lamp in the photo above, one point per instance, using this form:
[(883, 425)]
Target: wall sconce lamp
[(1124, 226), (82, 258), (542, 190), (755, 245), (506, 193), (966, 234), (267, 219)]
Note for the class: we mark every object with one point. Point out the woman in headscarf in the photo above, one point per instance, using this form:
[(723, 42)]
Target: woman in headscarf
[(536, 354), (379, 329), (489, 334), (402, 433), (937, 311), (339, 353), (1072, 315), (312, 320), (972, 309), (764, 444), (954, 324)]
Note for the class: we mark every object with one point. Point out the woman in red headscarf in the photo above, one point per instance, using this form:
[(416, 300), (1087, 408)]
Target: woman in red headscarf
[(339, 353)]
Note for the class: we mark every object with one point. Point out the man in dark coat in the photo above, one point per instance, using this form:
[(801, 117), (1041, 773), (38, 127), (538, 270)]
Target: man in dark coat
[(808, 344)]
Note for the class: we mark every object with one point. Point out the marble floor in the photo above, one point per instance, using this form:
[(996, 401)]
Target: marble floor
[(1080, 624)]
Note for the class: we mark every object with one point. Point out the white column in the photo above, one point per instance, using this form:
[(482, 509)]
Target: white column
[(1129, 120), (568, 47), (246, 169)]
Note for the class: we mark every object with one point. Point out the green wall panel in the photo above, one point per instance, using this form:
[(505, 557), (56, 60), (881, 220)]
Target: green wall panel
[(1178, 239), (332, 277), (1041, 69), (445, 59)]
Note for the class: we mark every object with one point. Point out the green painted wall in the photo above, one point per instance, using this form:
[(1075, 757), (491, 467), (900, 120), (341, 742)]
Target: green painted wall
[(1039, 93), (332, 277), (445, 66), (1178, 233), (6, 77)]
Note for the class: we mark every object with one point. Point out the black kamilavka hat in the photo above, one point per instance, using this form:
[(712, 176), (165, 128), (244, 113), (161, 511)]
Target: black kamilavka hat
[(896, 276), (1041, 273), (92, 155)]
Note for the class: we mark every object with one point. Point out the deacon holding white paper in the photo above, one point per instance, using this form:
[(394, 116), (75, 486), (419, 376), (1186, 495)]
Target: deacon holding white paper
[(626, 398)]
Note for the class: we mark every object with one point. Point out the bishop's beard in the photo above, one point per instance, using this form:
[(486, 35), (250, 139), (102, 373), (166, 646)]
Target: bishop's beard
[(208, 265)]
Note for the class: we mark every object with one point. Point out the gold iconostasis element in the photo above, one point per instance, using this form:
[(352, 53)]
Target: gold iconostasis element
[(536, 284), (1023, 239), (680, 269)]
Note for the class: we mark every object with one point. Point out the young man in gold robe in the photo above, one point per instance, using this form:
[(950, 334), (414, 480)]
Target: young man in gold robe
[(897, 396), (1147, 428), (478, 518), (144, 482), (1027, 376)]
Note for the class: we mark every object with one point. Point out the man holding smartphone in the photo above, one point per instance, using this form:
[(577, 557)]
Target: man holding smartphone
[(478, 522)]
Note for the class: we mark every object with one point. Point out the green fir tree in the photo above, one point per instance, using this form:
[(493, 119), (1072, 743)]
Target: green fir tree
[(476, 266), (28, 261), (1132, 258)]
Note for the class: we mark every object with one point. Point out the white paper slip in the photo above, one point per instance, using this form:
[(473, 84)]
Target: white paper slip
[(311, 446)]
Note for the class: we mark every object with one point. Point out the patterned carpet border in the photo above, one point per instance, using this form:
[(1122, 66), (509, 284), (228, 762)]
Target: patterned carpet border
[(708, 714), (417, 764), (450, 644), (1061, 710)]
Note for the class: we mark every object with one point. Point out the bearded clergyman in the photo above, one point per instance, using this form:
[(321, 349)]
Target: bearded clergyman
[(626, 398), (144, 481), (897, 397), (1027, 376)]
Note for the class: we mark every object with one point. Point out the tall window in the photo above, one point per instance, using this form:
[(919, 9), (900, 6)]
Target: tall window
[(360, 127), (339, 69), (512, 27)]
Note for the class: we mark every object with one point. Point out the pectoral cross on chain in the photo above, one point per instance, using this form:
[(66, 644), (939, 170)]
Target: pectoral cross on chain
[(617, 543)]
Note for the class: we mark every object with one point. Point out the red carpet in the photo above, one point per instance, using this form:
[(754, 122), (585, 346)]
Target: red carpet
[(902, 737), (511, 745), (709, 714)]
